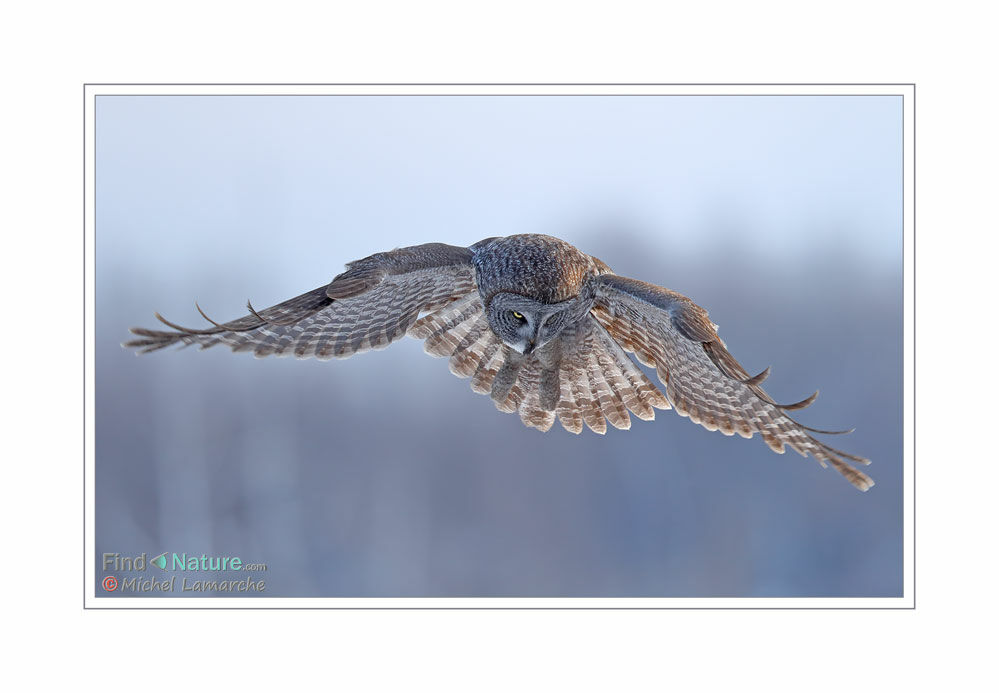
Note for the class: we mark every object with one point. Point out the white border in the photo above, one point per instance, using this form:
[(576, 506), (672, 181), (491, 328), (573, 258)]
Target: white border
[(907, 91)]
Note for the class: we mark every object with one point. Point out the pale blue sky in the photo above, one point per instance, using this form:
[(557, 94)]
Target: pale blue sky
[(341, 177)]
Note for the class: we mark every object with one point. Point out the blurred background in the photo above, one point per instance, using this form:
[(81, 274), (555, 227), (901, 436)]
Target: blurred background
[(384, 475)]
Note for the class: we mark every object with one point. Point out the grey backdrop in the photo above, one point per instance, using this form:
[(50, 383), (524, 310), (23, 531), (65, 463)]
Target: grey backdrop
[(384, 475)]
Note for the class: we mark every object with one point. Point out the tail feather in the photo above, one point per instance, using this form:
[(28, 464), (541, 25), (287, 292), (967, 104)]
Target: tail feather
[(588, 404), (569, 412), (532, 412)]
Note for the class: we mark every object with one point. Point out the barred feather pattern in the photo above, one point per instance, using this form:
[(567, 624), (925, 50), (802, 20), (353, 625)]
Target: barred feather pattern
[(581, 377), (696, 385), (316, 325)]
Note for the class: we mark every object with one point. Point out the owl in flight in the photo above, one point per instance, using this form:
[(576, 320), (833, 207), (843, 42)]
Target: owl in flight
[(540, 327)]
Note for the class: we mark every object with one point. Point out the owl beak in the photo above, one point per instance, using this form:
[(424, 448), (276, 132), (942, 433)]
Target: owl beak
[(533, 341)]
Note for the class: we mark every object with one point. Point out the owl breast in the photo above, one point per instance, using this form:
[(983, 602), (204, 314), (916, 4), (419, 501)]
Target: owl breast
[(540, 267)]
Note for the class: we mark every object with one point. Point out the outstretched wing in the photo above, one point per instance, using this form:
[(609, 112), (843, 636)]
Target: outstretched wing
[(369, 306), (669, 332)]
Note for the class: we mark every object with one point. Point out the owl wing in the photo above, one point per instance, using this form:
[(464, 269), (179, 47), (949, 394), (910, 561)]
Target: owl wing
[(669, 332), (583, 376), (369, 306)]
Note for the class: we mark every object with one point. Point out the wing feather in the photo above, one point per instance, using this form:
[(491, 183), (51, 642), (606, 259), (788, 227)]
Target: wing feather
[(369, 306), (568, 410), (704, 382)]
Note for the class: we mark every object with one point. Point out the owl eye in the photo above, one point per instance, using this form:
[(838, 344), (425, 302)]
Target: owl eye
[(516, 315)]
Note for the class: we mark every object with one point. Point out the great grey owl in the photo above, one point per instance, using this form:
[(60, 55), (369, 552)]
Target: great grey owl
[(539, 326)]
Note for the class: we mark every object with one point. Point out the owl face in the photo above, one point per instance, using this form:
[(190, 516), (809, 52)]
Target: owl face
[(525, 324)]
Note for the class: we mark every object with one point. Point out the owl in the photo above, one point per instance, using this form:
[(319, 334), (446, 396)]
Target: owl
[(541, 327)]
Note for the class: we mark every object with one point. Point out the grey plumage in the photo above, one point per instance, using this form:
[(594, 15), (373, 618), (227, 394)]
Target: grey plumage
[(539, 326)]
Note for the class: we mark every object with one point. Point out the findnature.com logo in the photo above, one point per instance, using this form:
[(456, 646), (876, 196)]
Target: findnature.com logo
[(179, 563)]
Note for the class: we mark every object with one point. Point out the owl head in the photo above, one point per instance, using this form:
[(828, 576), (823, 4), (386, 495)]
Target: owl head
[(525, 324), (530, 285)]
